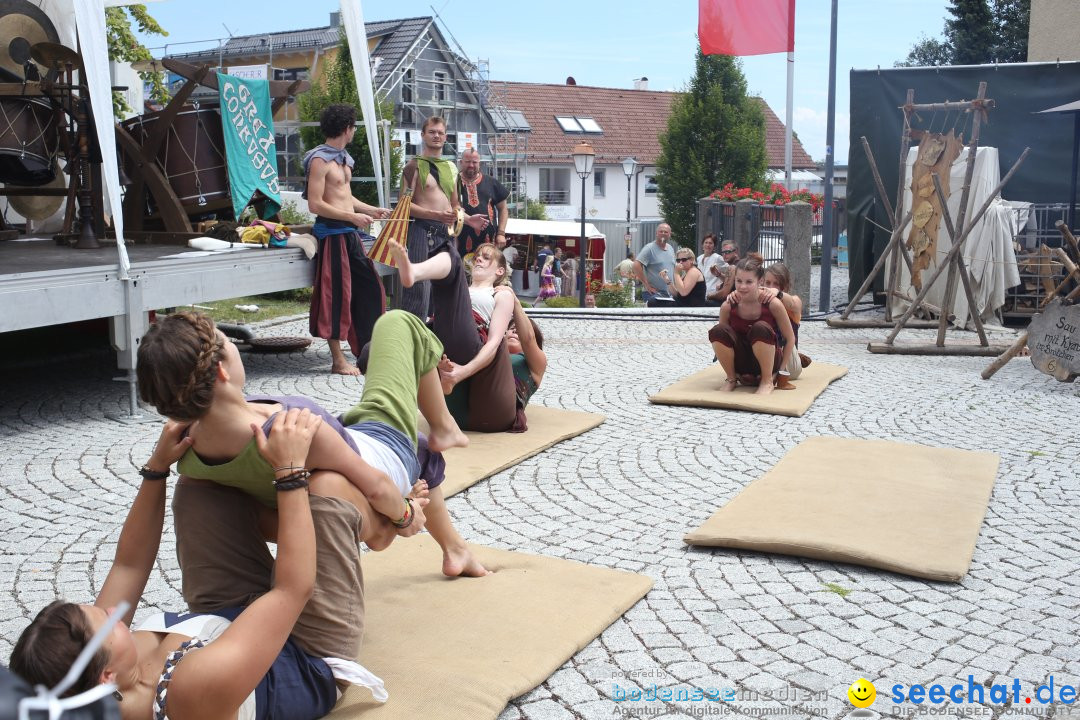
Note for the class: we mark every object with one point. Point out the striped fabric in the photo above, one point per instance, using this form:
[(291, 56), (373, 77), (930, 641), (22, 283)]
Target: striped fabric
[(396, 227)]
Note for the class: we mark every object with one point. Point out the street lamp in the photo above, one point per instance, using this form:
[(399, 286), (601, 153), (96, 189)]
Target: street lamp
[(628, 166), (583, 155)]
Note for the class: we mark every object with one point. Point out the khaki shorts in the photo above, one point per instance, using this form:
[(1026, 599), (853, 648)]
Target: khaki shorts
[(225, 563)]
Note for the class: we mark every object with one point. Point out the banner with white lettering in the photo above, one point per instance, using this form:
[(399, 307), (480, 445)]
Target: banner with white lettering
[(250, 150)]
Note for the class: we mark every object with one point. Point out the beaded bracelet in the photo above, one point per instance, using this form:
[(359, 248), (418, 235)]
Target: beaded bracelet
[(407, 518), (292, 481), (289, 467), (147, 474)]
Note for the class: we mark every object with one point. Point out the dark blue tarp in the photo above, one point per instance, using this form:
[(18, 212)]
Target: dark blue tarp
[(1018, 91)]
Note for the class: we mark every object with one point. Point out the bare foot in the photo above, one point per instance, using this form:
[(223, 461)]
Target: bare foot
[(765, 388), (728, 385), (344, 367), (401, 259), (419, 489), (459, 562), (443, 438)]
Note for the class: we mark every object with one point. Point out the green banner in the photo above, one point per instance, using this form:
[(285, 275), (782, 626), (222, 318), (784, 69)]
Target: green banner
[(250, 150)]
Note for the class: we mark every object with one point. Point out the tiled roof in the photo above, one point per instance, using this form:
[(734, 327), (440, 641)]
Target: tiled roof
[(632, 121), (397, 37)]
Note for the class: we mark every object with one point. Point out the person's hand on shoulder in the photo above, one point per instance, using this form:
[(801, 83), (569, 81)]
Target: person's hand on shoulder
[(290, 438), (171, 446)]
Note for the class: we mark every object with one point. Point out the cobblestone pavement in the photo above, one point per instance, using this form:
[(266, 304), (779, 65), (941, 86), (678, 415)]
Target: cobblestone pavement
[(623, 495)]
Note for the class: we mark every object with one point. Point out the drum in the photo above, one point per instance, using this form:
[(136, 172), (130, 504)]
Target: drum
[(192, 156), (28, 141)]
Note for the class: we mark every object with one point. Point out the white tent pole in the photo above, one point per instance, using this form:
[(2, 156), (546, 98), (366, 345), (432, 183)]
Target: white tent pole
[(353, 17), (90, 24), (787, 130)]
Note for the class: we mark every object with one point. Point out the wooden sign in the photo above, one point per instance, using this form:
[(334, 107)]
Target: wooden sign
[(1054, 341)]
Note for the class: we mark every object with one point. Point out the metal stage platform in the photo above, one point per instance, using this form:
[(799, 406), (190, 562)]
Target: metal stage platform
[(44, 284)]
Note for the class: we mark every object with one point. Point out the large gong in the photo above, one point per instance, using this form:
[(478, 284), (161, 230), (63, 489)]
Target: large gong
[(22, 24)]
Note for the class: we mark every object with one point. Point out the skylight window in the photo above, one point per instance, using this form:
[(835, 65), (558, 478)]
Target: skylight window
[(568, 124), (589, 125)]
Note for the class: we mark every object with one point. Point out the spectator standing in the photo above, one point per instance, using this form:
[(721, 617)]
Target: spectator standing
[(655, 257)]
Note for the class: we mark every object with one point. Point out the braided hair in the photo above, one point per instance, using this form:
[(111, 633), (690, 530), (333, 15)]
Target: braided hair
[(177, 365)]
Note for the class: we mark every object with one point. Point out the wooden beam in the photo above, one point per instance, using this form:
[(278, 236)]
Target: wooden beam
[(964, 350)]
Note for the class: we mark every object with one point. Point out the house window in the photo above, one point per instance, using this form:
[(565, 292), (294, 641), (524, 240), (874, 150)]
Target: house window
[(568, 124), (555, 186), (408, 89), (292, 74), (599, 182), (508, 176), (441, 81), (589, 125), (651, 188)]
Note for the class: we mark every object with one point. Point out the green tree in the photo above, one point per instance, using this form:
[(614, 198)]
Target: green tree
[(339, 86), (535, 210), (715, 135), (979, 32), (1011, 19), (123, 47), (970, 32), (928, 52)]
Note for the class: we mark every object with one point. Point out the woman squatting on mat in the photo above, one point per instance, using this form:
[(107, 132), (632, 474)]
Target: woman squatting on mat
[(746, 338), (265, 639), (191, 373)]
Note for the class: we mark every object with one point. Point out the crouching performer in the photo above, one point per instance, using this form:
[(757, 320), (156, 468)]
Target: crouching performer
[(746, 339)]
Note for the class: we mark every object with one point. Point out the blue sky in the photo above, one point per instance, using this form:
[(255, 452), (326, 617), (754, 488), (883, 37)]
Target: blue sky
[(605, 43)]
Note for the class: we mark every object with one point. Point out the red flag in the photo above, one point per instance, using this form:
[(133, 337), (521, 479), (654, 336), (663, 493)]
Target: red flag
[(746, 27)]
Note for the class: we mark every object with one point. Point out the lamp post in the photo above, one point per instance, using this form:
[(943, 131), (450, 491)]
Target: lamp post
[(583, 155), (628, 166)]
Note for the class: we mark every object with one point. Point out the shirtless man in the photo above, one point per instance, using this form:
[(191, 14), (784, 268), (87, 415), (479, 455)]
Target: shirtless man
[(348, 296), (435, 209)]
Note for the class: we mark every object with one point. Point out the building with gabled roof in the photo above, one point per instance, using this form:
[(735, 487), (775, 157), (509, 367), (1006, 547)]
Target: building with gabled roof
[(618, 123)]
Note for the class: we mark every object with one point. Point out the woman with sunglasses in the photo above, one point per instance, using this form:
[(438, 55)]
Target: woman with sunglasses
[(688, 285)]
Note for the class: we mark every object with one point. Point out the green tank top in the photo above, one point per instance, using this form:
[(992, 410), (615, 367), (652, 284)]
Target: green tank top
[(524, 385), (248, 471)]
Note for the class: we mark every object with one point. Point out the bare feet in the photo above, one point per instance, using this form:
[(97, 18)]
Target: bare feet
[(343, 367), (459, 562), (765, 388), (401, 259), (729, 385), (442, 439)]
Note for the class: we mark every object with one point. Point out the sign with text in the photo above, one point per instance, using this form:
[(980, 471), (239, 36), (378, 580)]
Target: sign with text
[(249, 72), (248, 125), (1054, 340)]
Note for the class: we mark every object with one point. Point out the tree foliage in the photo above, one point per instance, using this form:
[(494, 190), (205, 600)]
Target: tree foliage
[(124, 47), (715, 135), (978, 32), (338, 85)]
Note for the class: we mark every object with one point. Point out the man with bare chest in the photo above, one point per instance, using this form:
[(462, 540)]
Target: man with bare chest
[(435, 211), (348, 296)]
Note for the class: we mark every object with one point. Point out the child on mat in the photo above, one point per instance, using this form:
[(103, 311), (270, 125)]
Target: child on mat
[(191, 373), (746, 338)]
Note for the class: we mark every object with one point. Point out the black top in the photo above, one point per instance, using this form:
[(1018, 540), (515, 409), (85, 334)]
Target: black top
[(480, 199), (694, 298)]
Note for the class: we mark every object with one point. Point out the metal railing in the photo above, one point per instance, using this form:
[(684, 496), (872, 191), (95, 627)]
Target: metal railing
[(555, 197), (767, 232)]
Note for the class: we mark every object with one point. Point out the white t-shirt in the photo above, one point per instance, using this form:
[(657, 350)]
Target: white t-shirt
[(510, 253), (706, 264)]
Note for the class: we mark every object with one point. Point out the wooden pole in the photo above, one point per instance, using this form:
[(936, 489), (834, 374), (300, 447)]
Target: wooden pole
[(956, 247), (961, 216), (968, 292), (1014, 349), (905, 145)]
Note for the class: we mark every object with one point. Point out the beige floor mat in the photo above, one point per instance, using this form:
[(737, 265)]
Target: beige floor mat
[(910, 509), (461, 649), (702, 390)]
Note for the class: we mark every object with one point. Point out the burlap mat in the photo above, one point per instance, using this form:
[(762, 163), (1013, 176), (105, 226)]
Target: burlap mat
[(910, 509), (702, 389), (461, 649), (488, 453)]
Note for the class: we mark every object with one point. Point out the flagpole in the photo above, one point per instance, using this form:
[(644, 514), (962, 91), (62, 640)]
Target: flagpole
[(825, 299), (787, 130)]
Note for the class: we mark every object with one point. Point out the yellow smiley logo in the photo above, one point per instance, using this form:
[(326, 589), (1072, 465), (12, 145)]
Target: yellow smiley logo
[(862, 693)]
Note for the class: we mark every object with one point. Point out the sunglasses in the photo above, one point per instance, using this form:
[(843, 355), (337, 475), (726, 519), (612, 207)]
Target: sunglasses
[(728, 251), (683, 259)]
